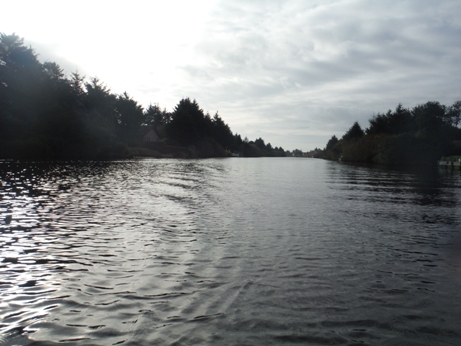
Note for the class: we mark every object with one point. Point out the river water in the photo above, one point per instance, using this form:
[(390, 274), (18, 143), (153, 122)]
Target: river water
[(237, 251)]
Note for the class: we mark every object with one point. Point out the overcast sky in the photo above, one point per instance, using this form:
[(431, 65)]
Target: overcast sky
[(292, 72)]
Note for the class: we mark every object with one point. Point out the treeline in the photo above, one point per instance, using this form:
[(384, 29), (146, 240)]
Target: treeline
[(47, 115), (259, 148), (420, 135)]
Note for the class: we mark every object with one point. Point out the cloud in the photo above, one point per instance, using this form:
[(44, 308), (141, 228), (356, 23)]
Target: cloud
[(326, 64)]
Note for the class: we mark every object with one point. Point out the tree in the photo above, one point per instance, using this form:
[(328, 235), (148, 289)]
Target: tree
[(429, 117), (355, 132), (237, 143), (129, 117), (154, 116), (44, 114), (188, 123), (402, 137), (76, 83), (297, 153), (25, 98), (100, 107), (221, 132), (454, 114), (400, 120), (332, 143), (14, 55), (53, 71), (260, 144)]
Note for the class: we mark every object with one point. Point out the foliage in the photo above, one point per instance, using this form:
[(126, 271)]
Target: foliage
[(129, 116), (221, 132), (188, 123), (355, 132), (391, 123), (332, 143), (45, 115), (401, 137)]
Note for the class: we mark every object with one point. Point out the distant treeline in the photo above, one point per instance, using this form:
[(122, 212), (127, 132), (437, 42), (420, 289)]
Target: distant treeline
[(46, 115), (420, 135)]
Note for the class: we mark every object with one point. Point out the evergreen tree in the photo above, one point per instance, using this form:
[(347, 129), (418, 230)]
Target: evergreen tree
[(355, 132), (129, 117), (188, 123), (332, 143), (221, 132)]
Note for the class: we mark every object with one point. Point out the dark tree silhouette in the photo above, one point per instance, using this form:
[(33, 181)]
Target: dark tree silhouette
[(429, 116), (154, 116), (260, 144), (332, 143), (44, 114), (188, 123), (355, 132), (222, 133), (453, 115), (396, 122), (402, 137), (129, 117)]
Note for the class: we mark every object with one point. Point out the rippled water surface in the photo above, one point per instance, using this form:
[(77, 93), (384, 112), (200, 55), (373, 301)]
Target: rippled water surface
[(228, 252)]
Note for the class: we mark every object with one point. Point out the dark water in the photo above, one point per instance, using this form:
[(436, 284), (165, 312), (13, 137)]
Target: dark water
[(228, 252)]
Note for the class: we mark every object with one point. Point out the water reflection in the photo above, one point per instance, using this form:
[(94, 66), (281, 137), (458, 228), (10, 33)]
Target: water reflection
[(236, 251), (393, 193), (34, 206)]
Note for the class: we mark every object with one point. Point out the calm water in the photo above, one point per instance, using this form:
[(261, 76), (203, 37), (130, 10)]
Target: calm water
[(228, 252)]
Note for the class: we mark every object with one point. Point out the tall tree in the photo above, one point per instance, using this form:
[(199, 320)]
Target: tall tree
[(154, 116), (429, 117), (332, 143), (355, 132), (188, 123), (221, 132), (454, 114), (260, 144), (21, 85), (129, 117), (100, 107)]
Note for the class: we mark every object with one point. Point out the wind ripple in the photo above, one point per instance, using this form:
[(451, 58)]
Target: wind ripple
[(227, 252)]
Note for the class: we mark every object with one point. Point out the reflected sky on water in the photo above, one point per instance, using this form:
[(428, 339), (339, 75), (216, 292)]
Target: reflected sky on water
[(228, 252)]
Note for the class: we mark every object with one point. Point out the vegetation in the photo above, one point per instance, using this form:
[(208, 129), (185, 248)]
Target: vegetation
[(46, 115), (415, 136)]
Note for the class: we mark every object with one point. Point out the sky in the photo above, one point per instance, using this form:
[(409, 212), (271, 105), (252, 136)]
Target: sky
[(292, 72)]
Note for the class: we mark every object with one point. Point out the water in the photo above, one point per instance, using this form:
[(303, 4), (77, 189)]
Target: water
[(235, 251)]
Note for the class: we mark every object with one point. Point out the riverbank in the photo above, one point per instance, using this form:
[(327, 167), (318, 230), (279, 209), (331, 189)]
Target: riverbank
[(450, 163)]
